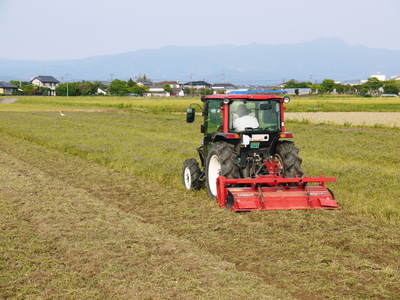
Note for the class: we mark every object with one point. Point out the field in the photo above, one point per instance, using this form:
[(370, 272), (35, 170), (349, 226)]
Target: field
[(163, 105), (376, 119), (91, 206)]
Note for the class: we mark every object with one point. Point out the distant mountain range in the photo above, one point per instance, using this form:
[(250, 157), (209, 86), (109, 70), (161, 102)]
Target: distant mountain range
[(248, 64)]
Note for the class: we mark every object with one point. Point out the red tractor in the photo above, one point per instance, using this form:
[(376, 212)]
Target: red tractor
[(245, 164)]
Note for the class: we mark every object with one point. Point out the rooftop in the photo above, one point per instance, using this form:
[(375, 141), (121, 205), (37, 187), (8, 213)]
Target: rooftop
[(46, 79), (7, 85)]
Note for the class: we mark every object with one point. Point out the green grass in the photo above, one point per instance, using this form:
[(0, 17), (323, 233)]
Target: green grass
[(92, 206), (72, 228), (153, 146), (163, 105), (59, 241)]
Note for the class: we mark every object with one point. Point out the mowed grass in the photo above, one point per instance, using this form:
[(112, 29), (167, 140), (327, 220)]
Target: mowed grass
[(59, 241), (153, 146), (92, 207), (173, 104)]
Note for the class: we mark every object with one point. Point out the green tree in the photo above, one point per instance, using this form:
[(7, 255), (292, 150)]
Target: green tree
[(138, 90), (392, 87), (131, 83), (297, 84), (28, 89), (328, 85), (167, 88), (118, 87), (206, 92)]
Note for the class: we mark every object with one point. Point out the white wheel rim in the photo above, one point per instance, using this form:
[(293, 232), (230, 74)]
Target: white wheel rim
[(187, 178), (214, 171)]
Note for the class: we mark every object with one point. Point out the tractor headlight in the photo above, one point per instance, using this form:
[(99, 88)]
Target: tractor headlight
[(226, 101), (286, 99)]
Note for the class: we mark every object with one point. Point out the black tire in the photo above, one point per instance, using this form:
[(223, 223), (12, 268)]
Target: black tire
[(290, 159), (192, 166), (226, 156)]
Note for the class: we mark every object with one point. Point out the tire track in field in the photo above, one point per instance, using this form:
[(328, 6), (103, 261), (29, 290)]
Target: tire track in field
[(311, 255)]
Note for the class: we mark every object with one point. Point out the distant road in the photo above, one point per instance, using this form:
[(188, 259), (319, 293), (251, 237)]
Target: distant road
[(7, 100), (390, 119)]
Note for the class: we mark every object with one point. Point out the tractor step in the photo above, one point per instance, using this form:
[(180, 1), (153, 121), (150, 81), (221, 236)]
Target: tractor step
[(275, 193)]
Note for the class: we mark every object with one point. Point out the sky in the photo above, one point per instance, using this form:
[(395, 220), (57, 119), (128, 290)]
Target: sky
[(60, 29)]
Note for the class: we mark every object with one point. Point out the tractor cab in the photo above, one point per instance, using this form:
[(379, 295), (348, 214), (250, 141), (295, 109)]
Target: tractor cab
[(245, 115), (242, 118)]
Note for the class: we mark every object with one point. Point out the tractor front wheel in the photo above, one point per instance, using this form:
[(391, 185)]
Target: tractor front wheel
[(191, 174), (220, 162)]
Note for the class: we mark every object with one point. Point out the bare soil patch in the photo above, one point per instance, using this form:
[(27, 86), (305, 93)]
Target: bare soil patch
[(7, 100), (389, 119)]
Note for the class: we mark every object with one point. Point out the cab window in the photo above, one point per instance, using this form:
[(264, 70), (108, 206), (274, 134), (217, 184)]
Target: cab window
[(214, 120)]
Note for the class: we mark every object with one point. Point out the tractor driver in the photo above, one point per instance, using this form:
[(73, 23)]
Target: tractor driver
[(245, 120)]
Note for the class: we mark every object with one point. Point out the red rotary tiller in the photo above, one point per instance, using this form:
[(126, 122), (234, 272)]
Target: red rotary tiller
[(274, 192)]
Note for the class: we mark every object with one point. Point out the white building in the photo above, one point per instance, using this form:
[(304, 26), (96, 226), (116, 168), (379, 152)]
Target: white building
[(48, 82), (396, 77), (380, 77), (157, 92), (101, 91)]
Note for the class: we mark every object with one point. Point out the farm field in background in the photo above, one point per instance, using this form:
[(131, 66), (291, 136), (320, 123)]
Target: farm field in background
[(371, 119), (93, 206), (171, 104)]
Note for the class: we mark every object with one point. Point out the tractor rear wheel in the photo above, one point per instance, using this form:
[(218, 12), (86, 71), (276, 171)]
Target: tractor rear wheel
[(191, 174), (288, 154), (220, 162)]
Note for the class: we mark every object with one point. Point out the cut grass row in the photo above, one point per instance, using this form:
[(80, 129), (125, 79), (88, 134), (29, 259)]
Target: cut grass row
[(153, 146), (163, 105), (83, 216), (59, 241)]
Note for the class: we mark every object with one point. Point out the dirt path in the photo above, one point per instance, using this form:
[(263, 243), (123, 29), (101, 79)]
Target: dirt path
[(7, 100), (311, 255), (390, 119)]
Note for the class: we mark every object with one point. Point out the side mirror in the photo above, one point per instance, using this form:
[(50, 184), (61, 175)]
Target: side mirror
[(190, 115)]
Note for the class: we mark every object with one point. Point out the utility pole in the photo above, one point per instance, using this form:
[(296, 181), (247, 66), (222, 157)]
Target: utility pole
[(191, 85), (66, 81)]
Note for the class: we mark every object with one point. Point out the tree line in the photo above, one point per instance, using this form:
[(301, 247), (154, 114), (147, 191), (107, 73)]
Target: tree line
[(372, 87)]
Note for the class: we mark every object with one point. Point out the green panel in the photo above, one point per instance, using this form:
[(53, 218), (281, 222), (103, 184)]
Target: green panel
[(255, 145)]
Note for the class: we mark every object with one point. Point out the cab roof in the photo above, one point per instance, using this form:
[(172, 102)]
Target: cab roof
[(251, 97)]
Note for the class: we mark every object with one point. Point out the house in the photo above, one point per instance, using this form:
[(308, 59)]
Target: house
[(47, 82), (172, 84), (145, 83), (7, 88), (101, 91), (198, 85), (222, 87), (176, 87), (378, 76), (157, 92), (395, 77)]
